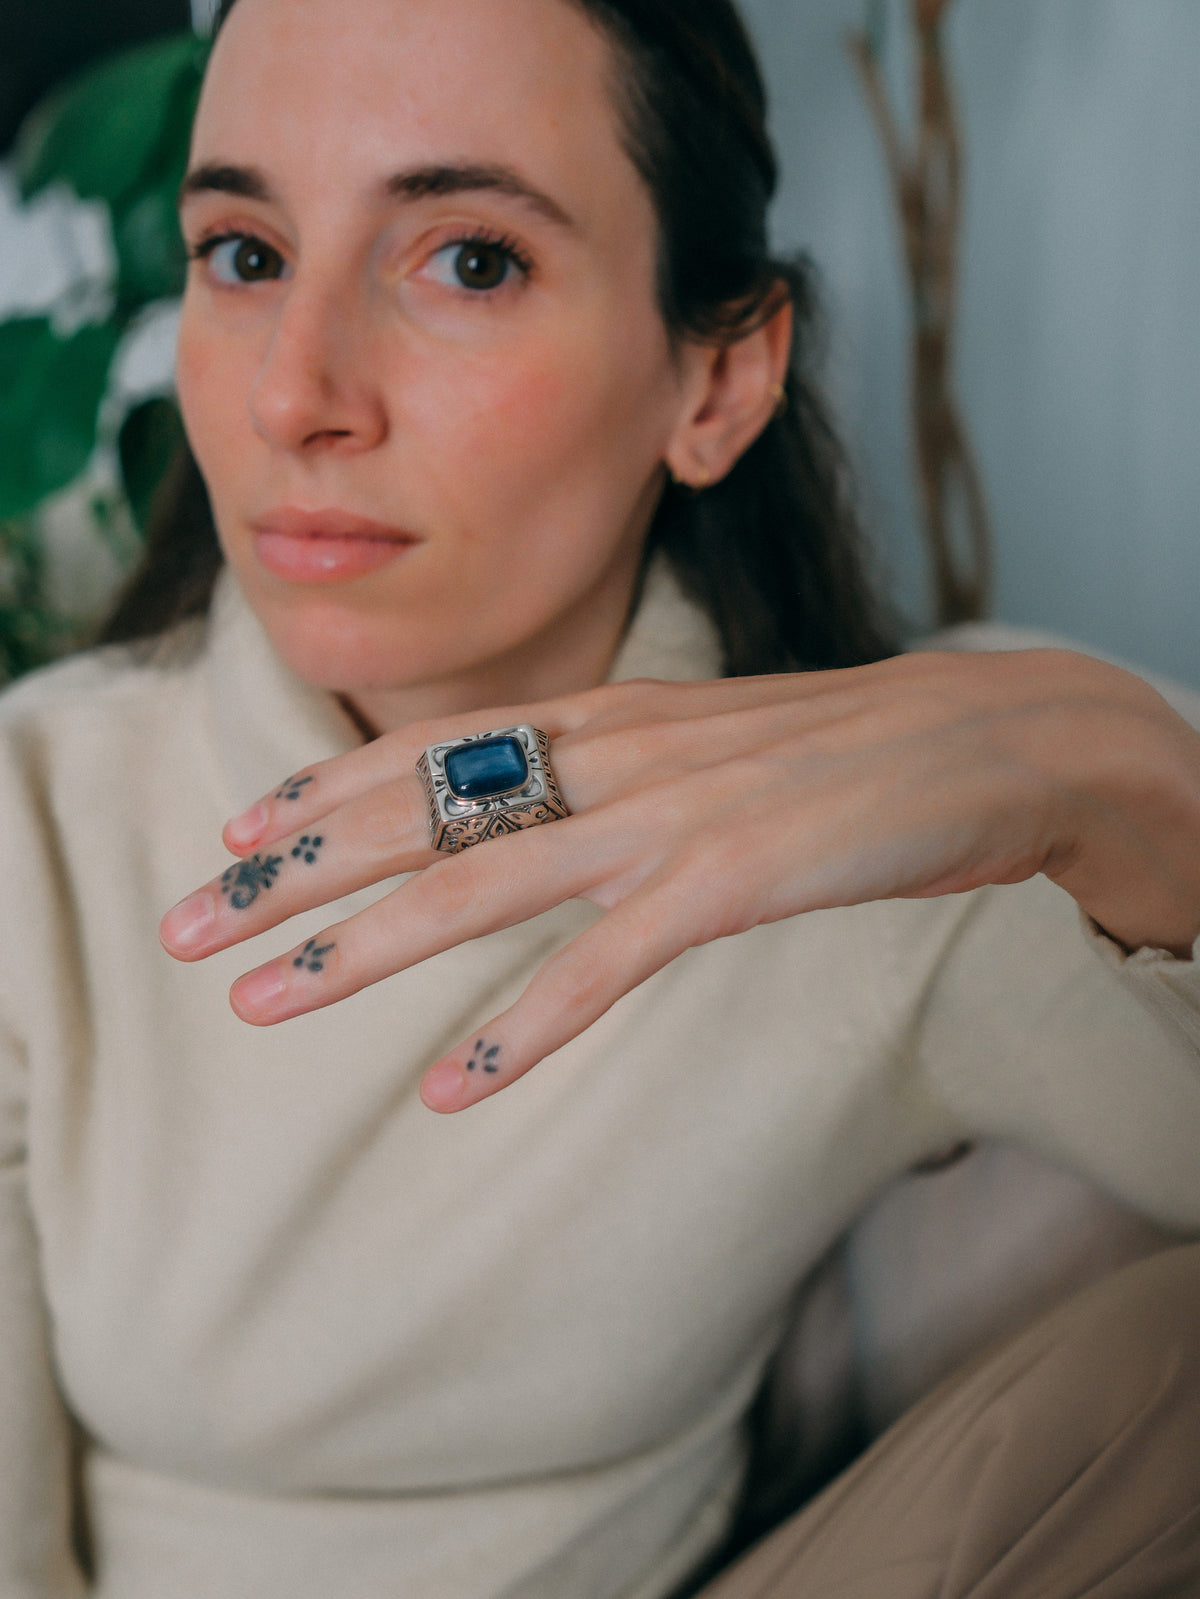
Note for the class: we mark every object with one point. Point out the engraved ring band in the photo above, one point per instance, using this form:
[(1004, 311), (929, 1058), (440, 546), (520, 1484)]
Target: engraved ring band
[(489, 784)]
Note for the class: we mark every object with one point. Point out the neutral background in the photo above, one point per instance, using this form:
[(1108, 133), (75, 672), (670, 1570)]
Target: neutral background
[(1079, 362)]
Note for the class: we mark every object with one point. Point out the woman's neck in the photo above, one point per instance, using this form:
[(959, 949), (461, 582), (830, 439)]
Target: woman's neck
[(573, 654)]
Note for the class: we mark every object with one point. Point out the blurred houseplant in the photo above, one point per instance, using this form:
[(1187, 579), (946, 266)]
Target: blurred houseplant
[(87, 312)]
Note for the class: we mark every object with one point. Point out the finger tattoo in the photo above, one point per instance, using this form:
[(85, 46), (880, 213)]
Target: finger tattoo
[(244, 882), (312, 956), (292, 789), (485, 1056)]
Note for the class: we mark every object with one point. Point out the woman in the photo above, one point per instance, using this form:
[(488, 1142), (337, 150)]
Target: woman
[(471, 284)]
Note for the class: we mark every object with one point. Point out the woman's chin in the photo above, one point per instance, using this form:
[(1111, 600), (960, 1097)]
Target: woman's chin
[(334, 632), (340, 649)]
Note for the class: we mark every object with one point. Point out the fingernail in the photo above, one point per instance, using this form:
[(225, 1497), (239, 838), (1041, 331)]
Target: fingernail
[(247, 827), (252, 995), (444, 1086), (188, 923)]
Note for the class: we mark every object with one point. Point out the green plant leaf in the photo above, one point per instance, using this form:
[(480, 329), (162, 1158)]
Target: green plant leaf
[(152, 261), (150, 250), (149, 438), (103, 132), (50, 393)]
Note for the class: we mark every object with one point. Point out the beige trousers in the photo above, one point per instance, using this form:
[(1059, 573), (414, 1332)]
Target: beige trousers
[(1064, 1463)]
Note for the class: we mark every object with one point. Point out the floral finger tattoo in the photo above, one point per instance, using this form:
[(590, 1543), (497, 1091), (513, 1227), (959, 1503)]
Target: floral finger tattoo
[(244, 882)]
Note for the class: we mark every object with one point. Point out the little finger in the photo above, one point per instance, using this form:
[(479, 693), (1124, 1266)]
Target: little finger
[(573, 989)]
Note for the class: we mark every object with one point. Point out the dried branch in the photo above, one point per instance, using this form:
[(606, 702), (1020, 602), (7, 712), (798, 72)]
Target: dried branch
[(927, 187)]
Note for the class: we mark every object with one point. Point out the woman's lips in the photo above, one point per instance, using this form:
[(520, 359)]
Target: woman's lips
[(325, 546)]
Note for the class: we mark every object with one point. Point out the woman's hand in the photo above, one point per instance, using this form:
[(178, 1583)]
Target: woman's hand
[(703, 809)]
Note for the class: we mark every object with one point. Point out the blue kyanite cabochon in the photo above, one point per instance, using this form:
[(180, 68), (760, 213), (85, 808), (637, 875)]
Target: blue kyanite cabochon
[(488, 767)]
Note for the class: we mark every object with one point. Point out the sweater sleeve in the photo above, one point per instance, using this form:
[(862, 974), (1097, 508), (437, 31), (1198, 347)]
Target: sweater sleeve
[(1084, 1052), (1168, 987), (1060, 1041), (36, 1561)]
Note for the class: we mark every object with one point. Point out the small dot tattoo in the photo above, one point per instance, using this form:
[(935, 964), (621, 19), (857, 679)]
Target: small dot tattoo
[(312, 957), (291, 790), (306, 849), (485, 1057)]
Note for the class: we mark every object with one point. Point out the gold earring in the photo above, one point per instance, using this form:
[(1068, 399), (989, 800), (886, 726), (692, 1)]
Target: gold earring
[(779, 395)]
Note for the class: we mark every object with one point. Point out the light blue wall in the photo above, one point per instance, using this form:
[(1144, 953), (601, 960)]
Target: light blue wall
[(1079, 362)]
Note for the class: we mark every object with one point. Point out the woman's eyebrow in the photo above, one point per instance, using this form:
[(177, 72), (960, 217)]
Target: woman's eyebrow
[(216, 177), (415, 183), (420, 183)]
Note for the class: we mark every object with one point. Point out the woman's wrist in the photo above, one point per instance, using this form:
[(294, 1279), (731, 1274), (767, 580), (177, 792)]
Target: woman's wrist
[(1133, 864)]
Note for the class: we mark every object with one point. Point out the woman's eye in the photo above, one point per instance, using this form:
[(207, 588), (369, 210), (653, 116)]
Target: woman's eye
[(241, 259), (474, 264)]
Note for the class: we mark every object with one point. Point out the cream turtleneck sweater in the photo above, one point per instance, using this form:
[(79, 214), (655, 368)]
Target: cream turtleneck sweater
[(317, 1340)]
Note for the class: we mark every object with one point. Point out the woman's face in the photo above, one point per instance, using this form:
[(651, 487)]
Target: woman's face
[(421, 361)]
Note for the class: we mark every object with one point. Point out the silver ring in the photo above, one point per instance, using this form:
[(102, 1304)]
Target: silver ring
[(487, 785)]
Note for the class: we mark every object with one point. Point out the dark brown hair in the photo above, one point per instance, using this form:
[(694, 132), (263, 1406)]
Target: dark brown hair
[(773, 552)]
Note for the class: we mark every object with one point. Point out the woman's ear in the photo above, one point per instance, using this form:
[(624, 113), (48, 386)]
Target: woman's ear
[(731, 392)]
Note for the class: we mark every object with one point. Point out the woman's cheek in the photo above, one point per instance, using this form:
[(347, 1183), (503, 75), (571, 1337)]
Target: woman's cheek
[(206, 388), (496, 422), (512, 384), (217, 360), (532, 405)]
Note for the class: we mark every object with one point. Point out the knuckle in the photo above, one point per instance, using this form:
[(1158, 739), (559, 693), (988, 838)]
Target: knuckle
[(392, 816), (417, 736), (635, 698), (448, 892), (577, 984)]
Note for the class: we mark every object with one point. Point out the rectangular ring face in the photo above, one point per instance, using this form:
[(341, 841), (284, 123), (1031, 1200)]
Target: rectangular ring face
[(486, 768), (488, 784)]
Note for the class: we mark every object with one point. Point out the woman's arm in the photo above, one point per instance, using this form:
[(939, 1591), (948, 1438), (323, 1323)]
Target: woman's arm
[(36, 1560), (704, 809)]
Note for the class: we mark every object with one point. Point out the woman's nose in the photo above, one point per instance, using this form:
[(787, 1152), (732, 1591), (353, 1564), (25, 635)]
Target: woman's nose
[(315, 388)]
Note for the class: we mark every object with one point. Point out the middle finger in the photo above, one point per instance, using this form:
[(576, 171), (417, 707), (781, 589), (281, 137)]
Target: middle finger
[(460, 898)]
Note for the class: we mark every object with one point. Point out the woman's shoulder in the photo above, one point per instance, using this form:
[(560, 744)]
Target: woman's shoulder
[(88, 688), (80, 740)]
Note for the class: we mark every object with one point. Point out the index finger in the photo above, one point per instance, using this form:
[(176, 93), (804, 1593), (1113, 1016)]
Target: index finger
[(312, 793)]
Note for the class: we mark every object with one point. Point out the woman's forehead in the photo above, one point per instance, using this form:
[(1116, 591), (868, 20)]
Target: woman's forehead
[(372, 86)]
